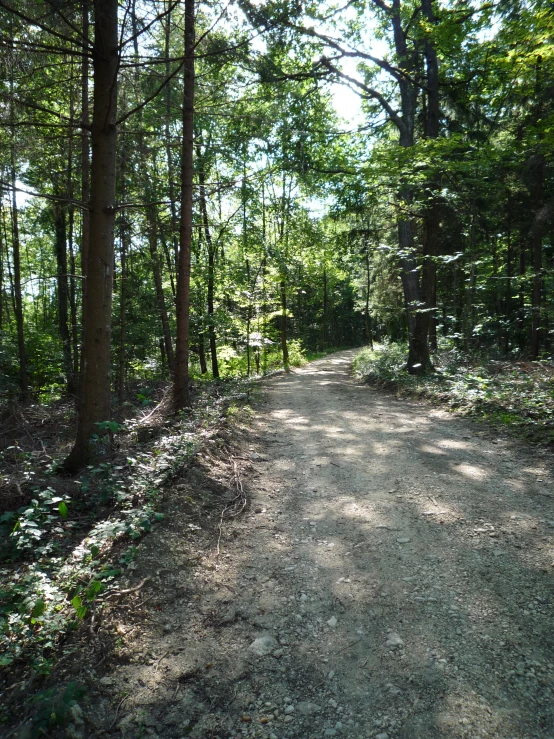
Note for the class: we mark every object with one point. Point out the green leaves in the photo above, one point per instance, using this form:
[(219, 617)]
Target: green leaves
[(111, 426), (80, 609), (33, 523)]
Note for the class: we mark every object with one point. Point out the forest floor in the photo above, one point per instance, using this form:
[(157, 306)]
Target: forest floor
[(391, 576)]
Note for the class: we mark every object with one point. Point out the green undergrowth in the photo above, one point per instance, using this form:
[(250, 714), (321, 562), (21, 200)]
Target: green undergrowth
[(513, 395), (265, 361), (62, 552)]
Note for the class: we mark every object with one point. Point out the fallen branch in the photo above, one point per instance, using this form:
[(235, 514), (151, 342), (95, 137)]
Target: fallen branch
[(128, 590)]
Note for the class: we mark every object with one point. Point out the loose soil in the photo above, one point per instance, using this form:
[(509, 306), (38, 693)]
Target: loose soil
[(391, 576)]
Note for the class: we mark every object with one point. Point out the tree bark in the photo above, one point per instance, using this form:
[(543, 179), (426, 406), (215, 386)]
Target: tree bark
[(63, 292), (284, 345), (158, 284), (521, 293), (1, 277), (431, 218), (202, 355), (169, 153), (181, 393), (95, 406), (73, 383), (85, 188), (325, 308), (18, 308), (536, 244), (369, 332), (124, 244), (122, 369), (211, 268), (419, 360), (508, 295), (538, 226)]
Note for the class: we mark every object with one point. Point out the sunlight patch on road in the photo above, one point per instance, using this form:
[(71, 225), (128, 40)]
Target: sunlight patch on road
[(471, 471), (452, 444), (430, 449)]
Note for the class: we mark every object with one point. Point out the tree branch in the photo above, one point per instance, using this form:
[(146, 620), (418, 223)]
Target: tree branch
[(150, 97), (149, 25), (381, 63), (78, 203), (369, 93), (8, 44), (35, 22), (34, 106)]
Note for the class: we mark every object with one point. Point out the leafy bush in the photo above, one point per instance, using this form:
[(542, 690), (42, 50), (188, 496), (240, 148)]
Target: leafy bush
[(34, 529), (56, 708), (515, 394), (385, 362), (58, 551)]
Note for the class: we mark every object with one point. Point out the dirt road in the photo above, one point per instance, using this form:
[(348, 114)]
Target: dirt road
[(392, 578)]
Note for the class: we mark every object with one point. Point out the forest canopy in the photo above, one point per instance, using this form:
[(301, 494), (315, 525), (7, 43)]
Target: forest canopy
[(188, 191)]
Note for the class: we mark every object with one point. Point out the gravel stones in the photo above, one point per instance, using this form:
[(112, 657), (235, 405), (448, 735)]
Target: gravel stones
[(264, 645), (394, 640), (307, 708)]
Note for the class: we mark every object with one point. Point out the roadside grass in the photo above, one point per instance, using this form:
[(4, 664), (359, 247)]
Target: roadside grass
[(514, 395), (67, 545)]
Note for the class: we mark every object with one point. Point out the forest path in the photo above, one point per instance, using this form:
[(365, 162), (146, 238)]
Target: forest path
[(392, 578)]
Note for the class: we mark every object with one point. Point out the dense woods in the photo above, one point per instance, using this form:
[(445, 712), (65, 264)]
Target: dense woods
[(185, 194)]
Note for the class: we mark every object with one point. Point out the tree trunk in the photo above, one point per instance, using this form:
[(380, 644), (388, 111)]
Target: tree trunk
[(536, 242), (202, 355), (124, 244), (284, 346), (85, 189), (419, 360), (468, 313), (538, 225), (169, 261), (19, 319), (122, 370), (508, 296), (1, 279), (158, 284), (95, 404), (63, 292), (73, 384), (433, 318), (169, 153), (368, 331), (181, 393), (431, 219), (211, 268), (325, 308), (248, 310), (521, 295), (16, 251)]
